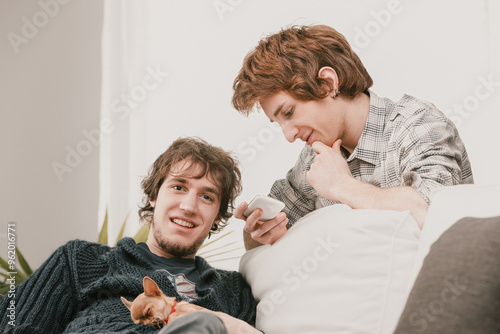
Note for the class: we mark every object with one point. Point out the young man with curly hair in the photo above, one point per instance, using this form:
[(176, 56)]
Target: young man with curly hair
[(189, 193), (362, 150)]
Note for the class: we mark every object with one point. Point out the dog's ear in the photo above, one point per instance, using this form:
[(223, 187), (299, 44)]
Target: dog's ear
[(150, 287), (126, 302)]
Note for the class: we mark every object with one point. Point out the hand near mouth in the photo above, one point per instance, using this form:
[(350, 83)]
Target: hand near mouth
[(329, 172)]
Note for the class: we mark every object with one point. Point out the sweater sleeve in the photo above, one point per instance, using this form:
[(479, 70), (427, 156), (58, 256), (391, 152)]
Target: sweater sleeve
[(44, 303), (247, 302), (225, 291)]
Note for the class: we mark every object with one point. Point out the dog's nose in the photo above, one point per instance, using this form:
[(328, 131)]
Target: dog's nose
[(158, 323)]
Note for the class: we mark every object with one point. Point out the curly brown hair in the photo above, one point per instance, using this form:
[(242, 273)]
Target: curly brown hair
[(290, 61), (218, 165)]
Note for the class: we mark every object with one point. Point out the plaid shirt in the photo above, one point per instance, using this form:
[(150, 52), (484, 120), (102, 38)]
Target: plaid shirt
[(404, 143)]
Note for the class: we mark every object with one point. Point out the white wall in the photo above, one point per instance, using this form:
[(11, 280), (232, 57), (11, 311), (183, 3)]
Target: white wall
[(50, 92)]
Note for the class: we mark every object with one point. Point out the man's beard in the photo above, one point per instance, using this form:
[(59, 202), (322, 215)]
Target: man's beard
[(174, 248)]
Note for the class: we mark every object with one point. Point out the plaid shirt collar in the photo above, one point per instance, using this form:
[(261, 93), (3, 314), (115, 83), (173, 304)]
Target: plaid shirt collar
[(372, 141)]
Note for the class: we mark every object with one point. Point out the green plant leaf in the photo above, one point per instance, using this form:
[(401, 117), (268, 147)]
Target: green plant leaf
[(18, 275), (4, 288), (4, 265), (142, 234), (122, 230), (103, 235), (23, 263)]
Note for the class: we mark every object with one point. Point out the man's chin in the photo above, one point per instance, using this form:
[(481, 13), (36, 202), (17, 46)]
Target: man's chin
[(177, 245), (178, 249)]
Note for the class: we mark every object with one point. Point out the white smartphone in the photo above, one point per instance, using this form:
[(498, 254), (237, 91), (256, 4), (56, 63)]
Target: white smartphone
[(270, 206)]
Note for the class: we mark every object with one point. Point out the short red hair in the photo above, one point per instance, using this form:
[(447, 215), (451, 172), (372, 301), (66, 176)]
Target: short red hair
[(290, 61)]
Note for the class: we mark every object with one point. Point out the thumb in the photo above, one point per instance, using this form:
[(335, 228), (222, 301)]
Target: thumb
[(336, 145), (318, 147)]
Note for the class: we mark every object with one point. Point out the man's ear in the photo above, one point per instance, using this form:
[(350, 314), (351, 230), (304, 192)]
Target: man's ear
[(330, 74), (216, 222), (218, 219), (152, 203)]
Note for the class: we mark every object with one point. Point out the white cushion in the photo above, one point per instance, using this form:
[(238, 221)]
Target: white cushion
[(337, 270), (450, 204)]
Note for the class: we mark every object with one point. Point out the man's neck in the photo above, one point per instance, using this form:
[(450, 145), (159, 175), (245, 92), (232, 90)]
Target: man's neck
[(356, 115), (158, 250)]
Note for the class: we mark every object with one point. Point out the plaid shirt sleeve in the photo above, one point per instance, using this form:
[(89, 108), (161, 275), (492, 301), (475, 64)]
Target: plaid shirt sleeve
[(430, 151), (294, 191)]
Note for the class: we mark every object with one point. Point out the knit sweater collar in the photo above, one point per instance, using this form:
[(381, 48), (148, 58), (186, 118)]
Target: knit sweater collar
[(130, 247)]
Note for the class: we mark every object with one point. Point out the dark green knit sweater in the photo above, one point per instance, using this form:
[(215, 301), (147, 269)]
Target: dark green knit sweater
[(78, 289)]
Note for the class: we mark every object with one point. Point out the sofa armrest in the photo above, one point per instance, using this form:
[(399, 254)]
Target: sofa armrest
[(450, 204)]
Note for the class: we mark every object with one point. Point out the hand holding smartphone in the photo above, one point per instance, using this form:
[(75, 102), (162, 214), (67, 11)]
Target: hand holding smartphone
[(269, 206)]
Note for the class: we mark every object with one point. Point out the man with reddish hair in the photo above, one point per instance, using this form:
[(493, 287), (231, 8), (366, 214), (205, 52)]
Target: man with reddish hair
[(362, 150)]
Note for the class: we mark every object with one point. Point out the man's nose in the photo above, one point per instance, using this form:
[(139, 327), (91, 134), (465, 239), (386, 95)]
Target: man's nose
[(290, 132), (189, 203)]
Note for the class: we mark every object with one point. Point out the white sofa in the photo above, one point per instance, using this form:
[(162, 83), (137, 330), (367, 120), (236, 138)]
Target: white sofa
[(339, 270)]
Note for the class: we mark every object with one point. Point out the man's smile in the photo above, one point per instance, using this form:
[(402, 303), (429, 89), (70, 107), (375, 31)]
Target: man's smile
[(182, 222)]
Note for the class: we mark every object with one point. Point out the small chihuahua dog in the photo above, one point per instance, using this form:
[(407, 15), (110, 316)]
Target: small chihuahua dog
[(155, 308)]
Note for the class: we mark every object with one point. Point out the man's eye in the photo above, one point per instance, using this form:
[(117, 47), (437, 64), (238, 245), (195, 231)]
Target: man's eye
[(177, 187), (208, 198), (289, 113)]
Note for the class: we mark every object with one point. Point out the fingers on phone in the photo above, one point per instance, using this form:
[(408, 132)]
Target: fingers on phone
[(276, 232), (252, 222), (257, 228), (238, 212), (281, 216), (255, 215), (268, 232)]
